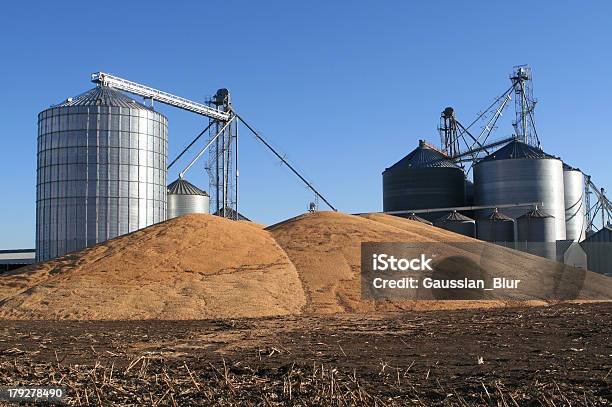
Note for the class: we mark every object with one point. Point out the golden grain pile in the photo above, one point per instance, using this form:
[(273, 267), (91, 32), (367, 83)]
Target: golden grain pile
[(192, 267), (201, 266)]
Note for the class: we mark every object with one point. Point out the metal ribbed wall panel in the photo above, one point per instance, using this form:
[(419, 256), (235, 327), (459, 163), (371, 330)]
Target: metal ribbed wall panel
[(101, 171), (508, 181), (573, 184)]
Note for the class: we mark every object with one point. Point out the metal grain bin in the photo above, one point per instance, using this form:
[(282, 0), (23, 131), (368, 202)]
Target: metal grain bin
[(573, 185), (413, 216), (536, 234), (101, 171), (520, 173), (185, 198), (598, 247), (496, 227), (425, 178), (458, 223)]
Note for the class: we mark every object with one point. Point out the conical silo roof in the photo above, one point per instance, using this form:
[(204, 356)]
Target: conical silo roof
[(424, 156), (454, 216), (182, 187), (517, 149), (414, 217), (232, 214), (567, 167), (103, 96), (496, 215), (536, 213)]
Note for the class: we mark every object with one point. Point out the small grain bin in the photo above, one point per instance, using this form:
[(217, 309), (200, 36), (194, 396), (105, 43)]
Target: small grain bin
[(496, 227), (458, 223), (185, 198), (536, 234)]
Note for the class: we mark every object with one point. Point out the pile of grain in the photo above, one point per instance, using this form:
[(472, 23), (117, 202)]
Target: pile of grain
[(325, 248), (192, 267), (201, 266)]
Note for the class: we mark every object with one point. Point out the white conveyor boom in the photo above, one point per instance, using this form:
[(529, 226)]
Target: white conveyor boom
[(161, 96)]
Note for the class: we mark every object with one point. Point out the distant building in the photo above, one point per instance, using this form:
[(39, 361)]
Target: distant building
[(14, 259)]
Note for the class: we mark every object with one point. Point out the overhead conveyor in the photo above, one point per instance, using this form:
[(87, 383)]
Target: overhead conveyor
[(222, 143)]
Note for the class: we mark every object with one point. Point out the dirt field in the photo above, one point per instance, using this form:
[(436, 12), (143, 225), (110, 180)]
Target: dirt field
[(552, 356)]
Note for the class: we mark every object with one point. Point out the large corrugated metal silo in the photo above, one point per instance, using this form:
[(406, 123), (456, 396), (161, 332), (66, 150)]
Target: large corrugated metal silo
[(495, 227), (573, 185), (425, 178), (536, 233), (101, 171), (520, 173), (185, 198), (458, 223)]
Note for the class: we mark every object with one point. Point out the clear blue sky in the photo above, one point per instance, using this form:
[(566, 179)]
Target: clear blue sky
[(344, 88)]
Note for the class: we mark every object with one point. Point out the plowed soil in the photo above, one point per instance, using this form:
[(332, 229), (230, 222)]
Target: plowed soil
[(530, 356)]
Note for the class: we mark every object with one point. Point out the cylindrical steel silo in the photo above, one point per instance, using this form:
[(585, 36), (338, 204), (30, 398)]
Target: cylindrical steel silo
[(424, 179), (520, 173), (101, 171), (496, 227), (185, 198), (573, 185), (458, 223), (536, 233)]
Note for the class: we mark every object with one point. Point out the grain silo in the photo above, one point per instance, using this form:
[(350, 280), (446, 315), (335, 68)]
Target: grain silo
[(573, 186), (495, 227), (458, 223), (598, 248), (536, 233), (185, 198), (426, 178), (101, 171), (521, 173)]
